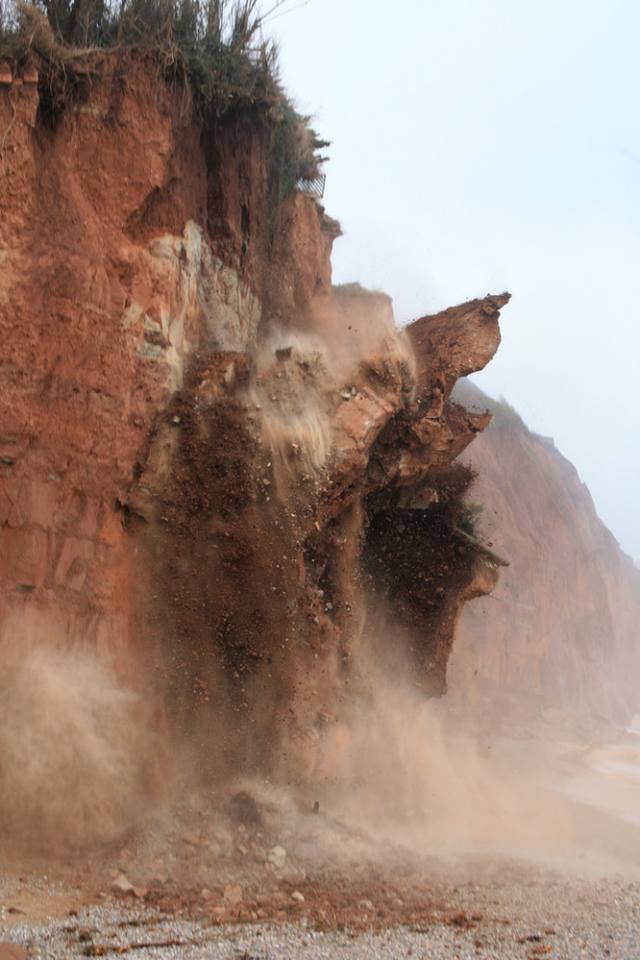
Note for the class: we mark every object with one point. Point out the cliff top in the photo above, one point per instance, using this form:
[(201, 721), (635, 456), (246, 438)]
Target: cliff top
[(217, 50)]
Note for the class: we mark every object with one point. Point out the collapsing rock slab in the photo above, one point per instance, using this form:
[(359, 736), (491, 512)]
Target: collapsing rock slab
[(292, 498)]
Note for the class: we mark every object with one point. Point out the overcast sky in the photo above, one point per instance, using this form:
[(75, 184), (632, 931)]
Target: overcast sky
[(483, 145)]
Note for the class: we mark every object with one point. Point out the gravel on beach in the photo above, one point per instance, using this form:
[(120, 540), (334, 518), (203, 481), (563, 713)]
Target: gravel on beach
[(517, 912)]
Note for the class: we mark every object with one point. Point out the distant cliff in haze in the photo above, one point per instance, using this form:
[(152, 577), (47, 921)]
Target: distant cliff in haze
[(562, 628)]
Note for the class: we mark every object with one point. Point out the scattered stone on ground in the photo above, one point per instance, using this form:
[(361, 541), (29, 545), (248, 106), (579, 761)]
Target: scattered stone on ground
[(508, 912)]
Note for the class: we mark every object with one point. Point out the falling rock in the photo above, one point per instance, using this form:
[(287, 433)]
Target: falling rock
[(293, 875), (122, 884), (233, 894), (297, 896), (278, 857)]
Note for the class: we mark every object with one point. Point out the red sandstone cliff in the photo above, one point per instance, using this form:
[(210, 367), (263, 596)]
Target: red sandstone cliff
[(210, 459), (132, 238), (562, 628)]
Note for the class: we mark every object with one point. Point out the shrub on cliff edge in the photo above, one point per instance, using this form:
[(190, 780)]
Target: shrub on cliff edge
[(215, 46)]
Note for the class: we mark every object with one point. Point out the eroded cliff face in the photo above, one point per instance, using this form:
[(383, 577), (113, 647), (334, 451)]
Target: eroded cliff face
[(559, 637), (132, 237), (213, 463)]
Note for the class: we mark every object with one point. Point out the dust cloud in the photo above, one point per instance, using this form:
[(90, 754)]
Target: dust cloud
[(300, 375), (84, 758), (409, 773), (80, 756)]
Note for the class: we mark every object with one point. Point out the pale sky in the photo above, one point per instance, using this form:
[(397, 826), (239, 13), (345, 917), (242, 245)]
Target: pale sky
[(483, 145)]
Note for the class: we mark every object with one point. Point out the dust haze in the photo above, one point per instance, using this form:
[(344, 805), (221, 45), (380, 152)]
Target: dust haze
[(86, 759), (80, 756)]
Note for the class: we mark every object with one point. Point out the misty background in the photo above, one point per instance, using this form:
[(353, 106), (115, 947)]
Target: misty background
[(483, 145)]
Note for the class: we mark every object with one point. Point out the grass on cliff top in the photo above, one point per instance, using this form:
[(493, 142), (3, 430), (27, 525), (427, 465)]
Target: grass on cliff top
[(216, 46)]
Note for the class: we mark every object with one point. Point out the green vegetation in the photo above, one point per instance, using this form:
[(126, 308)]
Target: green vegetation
[(293, 151), (214, 46), (217, 43)]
